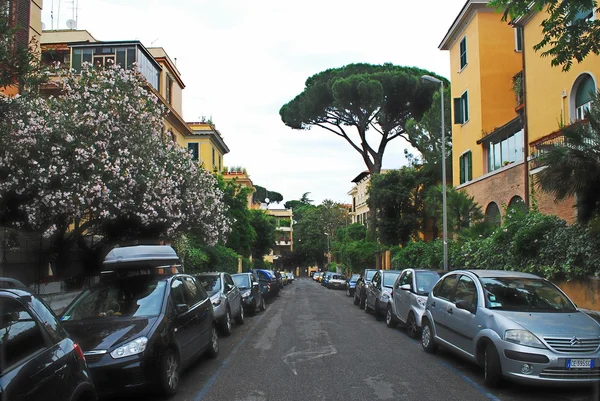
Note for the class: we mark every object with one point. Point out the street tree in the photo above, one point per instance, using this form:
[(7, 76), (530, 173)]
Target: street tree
[(426, 136), (573, 169), (264, 227), (462, 210), (397, 199), (242, 236), (353, 248), (262, 194), (94, 160), (570, 30), (366, 105)]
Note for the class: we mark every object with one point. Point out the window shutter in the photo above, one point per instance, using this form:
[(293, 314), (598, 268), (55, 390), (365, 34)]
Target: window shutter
[(465, 107), (469, 166), (461, 162), (519, 38), (584, 91), (458, 111)]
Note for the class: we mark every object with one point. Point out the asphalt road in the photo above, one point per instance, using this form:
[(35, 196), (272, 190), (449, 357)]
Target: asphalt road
[(313, 344)]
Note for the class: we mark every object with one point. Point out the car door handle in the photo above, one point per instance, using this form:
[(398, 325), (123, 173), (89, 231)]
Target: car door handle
[(433, 304), (450, 311)]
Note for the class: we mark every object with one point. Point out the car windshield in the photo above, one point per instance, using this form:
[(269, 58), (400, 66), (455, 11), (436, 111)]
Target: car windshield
[(426, 281), (389, 279), (212, 284), (369, 275), (121, 298), (354, 278), (242, 281), (525, 295), (338, 277)]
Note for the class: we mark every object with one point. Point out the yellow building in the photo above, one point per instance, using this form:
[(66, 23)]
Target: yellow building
[(206, 144), (501, 109), (26, 15), (284, 237), (359, 193), (241, 178)]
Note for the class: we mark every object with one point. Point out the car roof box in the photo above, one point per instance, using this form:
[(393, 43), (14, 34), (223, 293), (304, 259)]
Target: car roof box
[(146, 254)]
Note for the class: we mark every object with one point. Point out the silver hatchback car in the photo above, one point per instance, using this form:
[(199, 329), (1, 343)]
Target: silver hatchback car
[(515, 325)]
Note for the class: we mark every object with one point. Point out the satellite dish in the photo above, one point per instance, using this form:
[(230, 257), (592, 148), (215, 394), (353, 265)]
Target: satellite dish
[(43, 26), (71, 24)]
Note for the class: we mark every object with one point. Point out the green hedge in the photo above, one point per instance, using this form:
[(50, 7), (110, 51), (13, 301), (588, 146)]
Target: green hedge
[(536, 243)]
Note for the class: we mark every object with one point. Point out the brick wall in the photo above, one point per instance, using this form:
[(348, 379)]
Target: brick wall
[(546, 204), (499, 187)]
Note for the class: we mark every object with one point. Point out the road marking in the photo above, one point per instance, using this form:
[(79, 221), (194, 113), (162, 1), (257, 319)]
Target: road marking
[(470, 381), (293, 357)]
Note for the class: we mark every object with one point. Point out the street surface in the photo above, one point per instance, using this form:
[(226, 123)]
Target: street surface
[(313, 344)]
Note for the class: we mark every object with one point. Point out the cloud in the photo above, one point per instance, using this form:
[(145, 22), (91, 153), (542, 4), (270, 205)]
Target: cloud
[(242, 60)]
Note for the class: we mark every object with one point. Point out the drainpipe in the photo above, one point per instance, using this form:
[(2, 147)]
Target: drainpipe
[(525, 122)]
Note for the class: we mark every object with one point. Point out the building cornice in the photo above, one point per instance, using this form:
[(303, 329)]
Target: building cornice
[(469, 10)]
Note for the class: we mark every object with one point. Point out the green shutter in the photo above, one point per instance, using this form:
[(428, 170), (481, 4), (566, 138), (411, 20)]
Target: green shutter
[(458, 111), (465, 106), (461, 162), (470, 166), (519, 33), (584, 91), (463, 53)]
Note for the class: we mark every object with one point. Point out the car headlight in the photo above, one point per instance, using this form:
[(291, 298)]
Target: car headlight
[(523, 337), (131, 348), (246, 294), (422, 301)]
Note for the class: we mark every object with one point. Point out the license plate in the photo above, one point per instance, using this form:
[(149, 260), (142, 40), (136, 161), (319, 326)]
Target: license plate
[(580, 363)]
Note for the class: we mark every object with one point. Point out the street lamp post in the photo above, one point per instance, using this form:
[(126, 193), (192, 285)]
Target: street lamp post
[(328, 253), (429, 78)]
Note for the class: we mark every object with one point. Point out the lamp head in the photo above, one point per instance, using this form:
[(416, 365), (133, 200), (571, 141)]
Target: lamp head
[(429, 78)]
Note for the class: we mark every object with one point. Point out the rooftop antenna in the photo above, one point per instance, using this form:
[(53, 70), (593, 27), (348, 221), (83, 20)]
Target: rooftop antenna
[(58, 15), (151, 43), (52, 15)]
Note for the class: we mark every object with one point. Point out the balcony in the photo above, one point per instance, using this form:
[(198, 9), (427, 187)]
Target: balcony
[(284, 242), (543, 145), (283, 228)]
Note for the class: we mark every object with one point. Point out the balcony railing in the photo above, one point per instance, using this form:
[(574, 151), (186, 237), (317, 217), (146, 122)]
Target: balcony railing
[(543, 145)]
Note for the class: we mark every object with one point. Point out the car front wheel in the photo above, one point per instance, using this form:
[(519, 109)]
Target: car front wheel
[(262, 306), (427, 340), (169, 372), (213, 347), (411, 326), (491, 367), (389, 318), (226, 323), (239, 319)]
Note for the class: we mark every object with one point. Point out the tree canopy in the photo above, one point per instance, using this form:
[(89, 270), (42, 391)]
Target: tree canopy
[(570, 32), (375, 101), (262, 194)]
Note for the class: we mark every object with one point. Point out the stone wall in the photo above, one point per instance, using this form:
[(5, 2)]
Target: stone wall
[(584, 292)]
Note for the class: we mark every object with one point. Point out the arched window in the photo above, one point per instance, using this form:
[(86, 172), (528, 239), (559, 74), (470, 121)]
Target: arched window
[(492, 214), (582, 93), (517, 203)]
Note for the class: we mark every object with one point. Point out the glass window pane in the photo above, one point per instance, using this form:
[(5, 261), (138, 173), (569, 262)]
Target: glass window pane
[(497, 156), (76, 60), (121, 55), (87, 56), (519, 154), (505, 156), (130, 57)]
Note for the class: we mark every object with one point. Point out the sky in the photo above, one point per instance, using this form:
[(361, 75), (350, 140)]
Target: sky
[(242, 60)]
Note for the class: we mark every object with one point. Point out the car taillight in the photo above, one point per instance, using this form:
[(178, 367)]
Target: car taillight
[(268, 287), (79, 351)]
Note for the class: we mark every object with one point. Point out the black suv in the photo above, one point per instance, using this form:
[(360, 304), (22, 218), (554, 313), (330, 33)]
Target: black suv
[(38, 361), (143, 322), (360, 292)]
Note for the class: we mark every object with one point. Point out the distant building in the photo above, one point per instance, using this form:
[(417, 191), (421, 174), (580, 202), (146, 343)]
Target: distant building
[(26, 16), (284, 239), (359, 193)]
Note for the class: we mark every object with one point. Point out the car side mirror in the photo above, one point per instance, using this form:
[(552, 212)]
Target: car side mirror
[(406, 287), (255, 285), (462, 304), (182, 308)]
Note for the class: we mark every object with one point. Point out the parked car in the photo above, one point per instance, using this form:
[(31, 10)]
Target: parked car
[(318, 276), (278, 277), (284, 278), (252, 298), (225, 297), (143, 322), (409, 298), (325, 279), (514, 325), (362, 283), (351, 284), (291, 277), (380, 290), (39, 361), (337, 281), (269, 286), (312, 274)]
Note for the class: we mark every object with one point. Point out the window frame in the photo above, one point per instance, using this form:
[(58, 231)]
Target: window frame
[(518, 39), (461, 108), (195, 152), (462, 53), (439, 286), (460, 279), (465, 167)]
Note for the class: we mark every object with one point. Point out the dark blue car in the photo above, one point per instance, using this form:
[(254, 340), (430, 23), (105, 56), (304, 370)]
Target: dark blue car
[(269, 285), (351, 284)]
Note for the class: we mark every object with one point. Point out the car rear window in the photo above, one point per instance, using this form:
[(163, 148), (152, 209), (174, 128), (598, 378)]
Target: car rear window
[(369, 275)]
